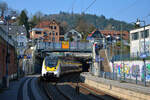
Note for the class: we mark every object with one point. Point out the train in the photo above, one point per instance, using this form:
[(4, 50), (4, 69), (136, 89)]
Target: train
[(54, 67)]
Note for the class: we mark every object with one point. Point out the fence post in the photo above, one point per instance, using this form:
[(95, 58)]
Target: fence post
[(136, 78)]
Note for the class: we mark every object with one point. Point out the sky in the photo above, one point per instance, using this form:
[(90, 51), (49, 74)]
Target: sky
[(124, 10)]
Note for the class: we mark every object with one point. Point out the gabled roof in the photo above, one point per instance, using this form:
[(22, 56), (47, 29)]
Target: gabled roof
[(14, 29), (37, 29), (96, 34), (46, 23)]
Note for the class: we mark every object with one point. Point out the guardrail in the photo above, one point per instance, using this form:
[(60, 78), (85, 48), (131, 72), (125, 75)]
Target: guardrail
[(132, 56), (64, 46)]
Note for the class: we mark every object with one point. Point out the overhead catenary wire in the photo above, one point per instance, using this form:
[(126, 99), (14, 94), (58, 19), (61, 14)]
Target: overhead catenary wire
[(125, 9), (89, 6)]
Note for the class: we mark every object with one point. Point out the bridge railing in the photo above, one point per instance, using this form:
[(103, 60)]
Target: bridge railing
[(74, 46)]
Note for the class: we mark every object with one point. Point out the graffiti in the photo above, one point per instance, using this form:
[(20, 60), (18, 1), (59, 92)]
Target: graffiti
[(147, 72), (134, 70)]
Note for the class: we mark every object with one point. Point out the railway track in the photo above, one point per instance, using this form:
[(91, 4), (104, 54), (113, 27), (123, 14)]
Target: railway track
[(69, 87), (52, 91), (74, 81)]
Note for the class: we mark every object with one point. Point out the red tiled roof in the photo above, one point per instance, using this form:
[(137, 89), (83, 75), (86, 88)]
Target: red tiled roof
[(42, 24), (92, 33), (110, 32), (45, 24)]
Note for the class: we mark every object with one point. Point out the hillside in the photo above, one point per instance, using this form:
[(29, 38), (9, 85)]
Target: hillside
[(72, 20)]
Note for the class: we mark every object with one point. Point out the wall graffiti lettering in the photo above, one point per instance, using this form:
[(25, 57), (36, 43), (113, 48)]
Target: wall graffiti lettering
[(133, 70)]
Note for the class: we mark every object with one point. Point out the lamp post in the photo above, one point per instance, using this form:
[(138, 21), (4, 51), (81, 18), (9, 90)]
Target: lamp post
[(144, 56)]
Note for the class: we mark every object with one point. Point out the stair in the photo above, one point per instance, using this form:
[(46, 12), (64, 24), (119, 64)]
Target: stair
[(105, 64)]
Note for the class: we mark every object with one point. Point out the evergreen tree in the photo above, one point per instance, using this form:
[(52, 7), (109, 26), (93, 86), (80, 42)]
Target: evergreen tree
[(23, 20)]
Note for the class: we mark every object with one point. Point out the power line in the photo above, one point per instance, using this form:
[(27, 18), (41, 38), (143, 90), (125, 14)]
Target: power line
[(73, 3), (125, 9), (89, 6), (72, 6), (144, 17)]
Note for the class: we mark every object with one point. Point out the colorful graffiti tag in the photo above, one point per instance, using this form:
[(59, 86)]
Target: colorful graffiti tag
[(147, 72), (132, 70)]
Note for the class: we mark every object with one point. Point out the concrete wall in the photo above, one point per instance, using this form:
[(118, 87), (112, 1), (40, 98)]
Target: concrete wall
[(118, 92), (131, 69)]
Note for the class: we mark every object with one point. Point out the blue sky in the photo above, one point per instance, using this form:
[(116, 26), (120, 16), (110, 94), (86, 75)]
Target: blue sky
[(124, 10)]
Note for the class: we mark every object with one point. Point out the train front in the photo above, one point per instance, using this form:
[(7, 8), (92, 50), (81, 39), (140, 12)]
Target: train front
[(51, 67)]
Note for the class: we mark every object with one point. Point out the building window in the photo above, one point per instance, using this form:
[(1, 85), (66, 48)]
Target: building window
[(135, 36), (51, 27), (54, 27), (53, 39), (146, 34), (53, 33), (21, 44), (61, 38), (124, 34), (38, 32), (45, 34), (56, 33), (49, 33)]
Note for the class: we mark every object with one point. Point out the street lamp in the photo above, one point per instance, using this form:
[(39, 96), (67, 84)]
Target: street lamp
[(144, 56)]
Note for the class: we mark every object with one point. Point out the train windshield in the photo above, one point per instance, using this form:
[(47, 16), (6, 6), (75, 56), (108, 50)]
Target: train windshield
[(51, 62)]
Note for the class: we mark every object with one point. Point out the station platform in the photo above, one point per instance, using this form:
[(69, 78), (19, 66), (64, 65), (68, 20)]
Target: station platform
[(117, 89)]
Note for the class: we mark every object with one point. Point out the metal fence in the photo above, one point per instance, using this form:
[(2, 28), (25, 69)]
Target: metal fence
[(132, 56), (73, 46), (122, 77)]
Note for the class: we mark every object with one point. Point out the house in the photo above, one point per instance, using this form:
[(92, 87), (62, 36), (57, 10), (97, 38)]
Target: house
[(95, 35), (18, 34), (49, 31), (72, 35), (22, 42), (6, 43), (117, 34), (137, 40)]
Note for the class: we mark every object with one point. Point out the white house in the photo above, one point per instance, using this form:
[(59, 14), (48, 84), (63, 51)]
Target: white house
[(137, 40), (73, 35), (21, 42)]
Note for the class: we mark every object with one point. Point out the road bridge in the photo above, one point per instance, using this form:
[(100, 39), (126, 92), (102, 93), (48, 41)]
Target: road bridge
[(64, 47)]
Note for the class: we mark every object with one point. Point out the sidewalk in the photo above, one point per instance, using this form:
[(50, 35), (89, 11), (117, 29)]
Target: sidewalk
[(12, 92)]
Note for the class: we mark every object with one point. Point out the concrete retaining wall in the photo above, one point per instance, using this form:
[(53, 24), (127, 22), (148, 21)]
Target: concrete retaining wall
[(115, 91), (132, 69)]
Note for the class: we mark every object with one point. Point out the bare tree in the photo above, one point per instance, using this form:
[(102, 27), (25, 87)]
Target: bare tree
[(3, 8), (39, 15)]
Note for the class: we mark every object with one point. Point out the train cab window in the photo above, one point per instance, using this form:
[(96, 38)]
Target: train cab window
[(51, 62)]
